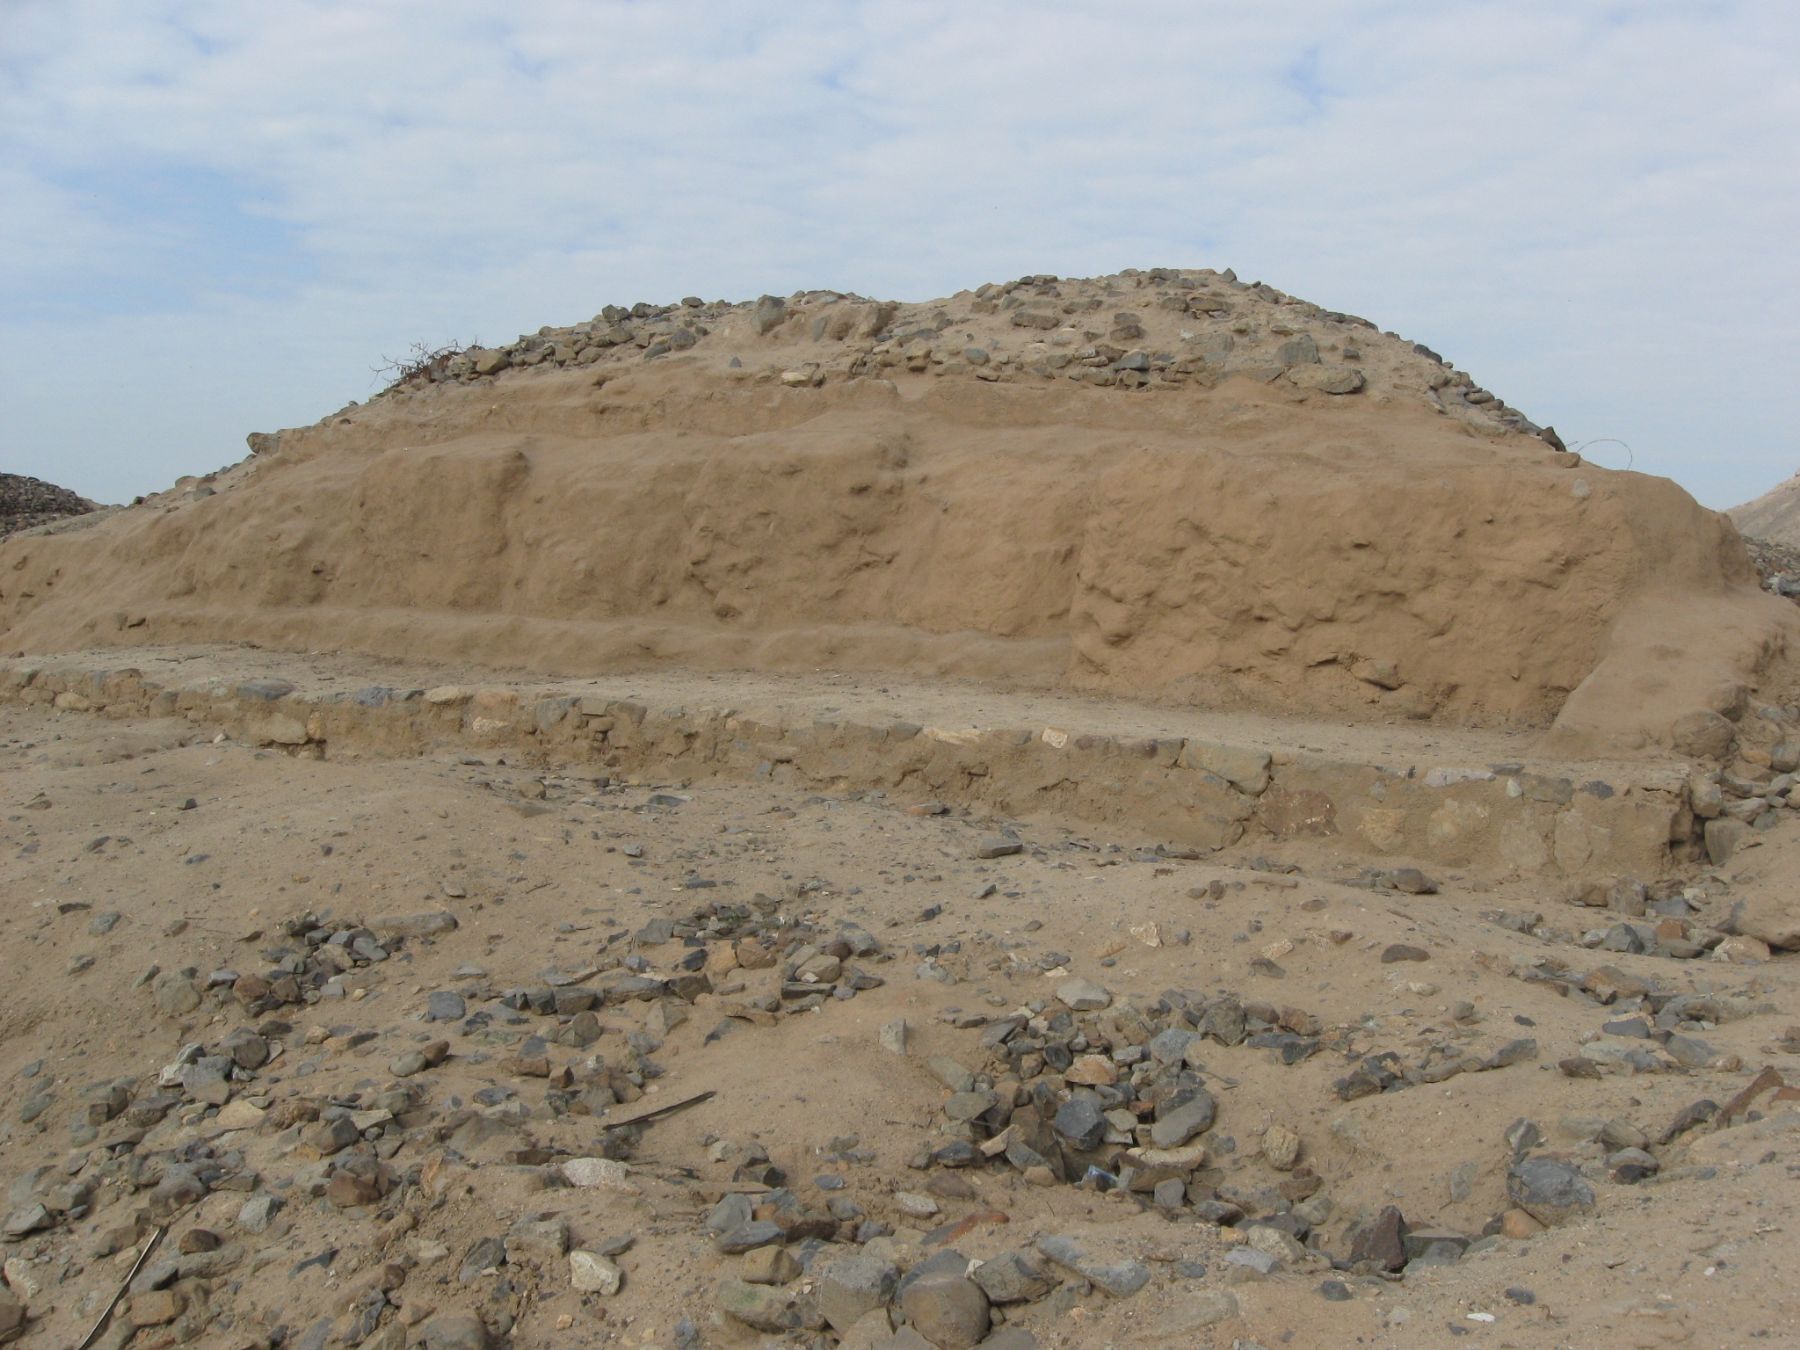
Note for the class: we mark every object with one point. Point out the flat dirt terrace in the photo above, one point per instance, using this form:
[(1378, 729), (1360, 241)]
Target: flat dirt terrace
[(355, 1031)]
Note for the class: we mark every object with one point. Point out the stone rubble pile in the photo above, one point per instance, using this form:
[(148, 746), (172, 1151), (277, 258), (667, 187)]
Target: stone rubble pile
[(1138, 329), (25, 502)]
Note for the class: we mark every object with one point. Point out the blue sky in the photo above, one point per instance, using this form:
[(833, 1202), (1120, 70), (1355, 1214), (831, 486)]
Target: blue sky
[(218, 217)]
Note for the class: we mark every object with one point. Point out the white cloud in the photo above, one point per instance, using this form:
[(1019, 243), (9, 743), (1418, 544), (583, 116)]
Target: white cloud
[(1589, 205)]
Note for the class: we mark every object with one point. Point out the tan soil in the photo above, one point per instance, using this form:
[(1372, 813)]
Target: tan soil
[(543, 879)]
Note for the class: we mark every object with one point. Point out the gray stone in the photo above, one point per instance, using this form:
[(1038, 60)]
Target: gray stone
[(1118, 1278), (1252, 1259), (1082, 995), (592, 1273), (1081, 1122), (1702, 735), (488, 1253), (732, 1211), (175, 994), (1014, 1277), (444, 1006), (429, 924), (768, 1265), (747, 1237), (1327, 379), (768, 314), (1550, 1190), (26, 1219), (1298, 351), (1689, 1051), (258, 1212), (948, 1309), (852, 1286), (768, 1307), (999, 846), (1171, 1046), (1722, 839), (454, 1331), (1183, 1122)]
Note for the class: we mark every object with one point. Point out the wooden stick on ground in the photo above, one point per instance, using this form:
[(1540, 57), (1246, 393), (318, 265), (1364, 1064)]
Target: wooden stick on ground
[(137, 1265), (657, 1113)]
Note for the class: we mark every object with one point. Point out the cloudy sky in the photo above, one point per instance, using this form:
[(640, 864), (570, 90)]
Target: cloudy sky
[(218, 216)]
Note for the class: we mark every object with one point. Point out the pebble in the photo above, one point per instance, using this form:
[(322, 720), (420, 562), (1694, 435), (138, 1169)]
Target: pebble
[(1281, 1147)]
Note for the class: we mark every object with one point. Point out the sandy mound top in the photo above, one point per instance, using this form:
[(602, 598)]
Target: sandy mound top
[(1163, 484), (25, 502)]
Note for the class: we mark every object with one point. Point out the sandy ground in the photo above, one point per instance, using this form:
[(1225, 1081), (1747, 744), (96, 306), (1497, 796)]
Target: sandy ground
[(203, 848)]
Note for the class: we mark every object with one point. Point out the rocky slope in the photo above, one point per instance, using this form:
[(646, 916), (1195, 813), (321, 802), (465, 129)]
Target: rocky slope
[(25, 502), (1164, 484)]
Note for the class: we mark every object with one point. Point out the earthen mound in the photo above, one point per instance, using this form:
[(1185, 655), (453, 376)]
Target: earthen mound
[(27, 502), (1164, 484)]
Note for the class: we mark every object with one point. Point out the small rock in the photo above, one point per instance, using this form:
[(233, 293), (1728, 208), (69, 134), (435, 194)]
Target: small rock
[(157, 1308), (454, 1331), (749, 1236), (1184, 1121), (605, 1174), (768, 1265), (1382, 1241), (1014, 1277), (258, 1212), (851, 1287), (1281, 1148), (1081, 1121), (947, 1308), (769, 1308), (1118, 1278), (1082, 995), (1550, 1190), (592, 1273)]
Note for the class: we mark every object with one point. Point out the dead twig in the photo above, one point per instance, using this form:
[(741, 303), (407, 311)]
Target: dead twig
[(657, 1113), (137, 1265)]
